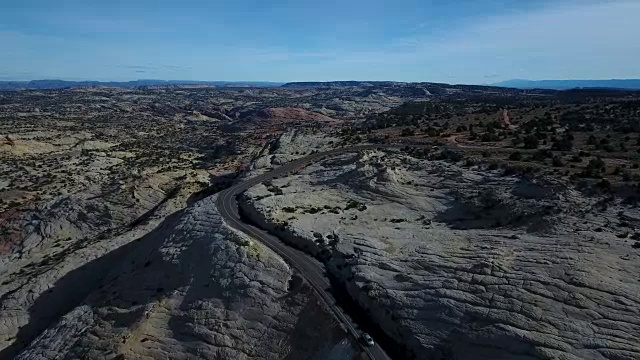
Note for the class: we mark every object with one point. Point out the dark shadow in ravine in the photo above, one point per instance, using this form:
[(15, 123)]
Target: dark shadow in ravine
[(365, 320)]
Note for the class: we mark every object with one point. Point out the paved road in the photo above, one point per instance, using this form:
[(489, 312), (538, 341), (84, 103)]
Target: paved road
[(311, 269)]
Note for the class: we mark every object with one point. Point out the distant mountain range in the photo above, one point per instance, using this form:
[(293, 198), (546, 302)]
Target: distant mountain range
[(628, 84), (62, 84), (315, 84)]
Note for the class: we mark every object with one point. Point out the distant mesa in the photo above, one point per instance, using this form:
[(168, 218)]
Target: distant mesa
[(63, 84), (626, 84), (315, 84)]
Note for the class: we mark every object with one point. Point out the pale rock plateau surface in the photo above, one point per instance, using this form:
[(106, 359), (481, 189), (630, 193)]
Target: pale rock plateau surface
[(463, 262), (191, 288)]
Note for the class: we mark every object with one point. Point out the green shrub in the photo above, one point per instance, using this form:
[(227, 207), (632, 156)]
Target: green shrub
[(563, 144), (604, 184), (541, 155), (531, 142), (557, 161), (516, 156), (276, 190), (469, 163), (353, 204), (595, 168), (452, 155)]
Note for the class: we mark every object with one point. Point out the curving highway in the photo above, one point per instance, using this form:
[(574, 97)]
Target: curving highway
[(311, 269)]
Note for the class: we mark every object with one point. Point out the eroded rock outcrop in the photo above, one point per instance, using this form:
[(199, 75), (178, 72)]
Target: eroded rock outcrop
[(292, 113), (456, 262), (192, 288)]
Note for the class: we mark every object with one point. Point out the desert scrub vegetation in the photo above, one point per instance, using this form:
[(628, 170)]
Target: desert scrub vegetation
[(354, 204)]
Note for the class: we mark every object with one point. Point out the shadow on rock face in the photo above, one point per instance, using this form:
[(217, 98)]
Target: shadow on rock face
[(72, 290), (489, 210), (458, 345), (530, 190)]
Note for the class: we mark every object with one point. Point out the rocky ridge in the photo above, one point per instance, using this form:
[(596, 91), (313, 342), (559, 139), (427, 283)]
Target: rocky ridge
[(291, 113), (463, 262), (191, 288)]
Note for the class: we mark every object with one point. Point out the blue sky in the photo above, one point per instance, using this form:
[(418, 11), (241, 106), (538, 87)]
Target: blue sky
[(462, 41)]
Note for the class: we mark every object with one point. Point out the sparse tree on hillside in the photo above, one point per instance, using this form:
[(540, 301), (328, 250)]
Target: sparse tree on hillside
[(564, 144), (407, 132), (516, 156), (516, 141), (557, 161), (623, 147), (531, 142), (595, 168)]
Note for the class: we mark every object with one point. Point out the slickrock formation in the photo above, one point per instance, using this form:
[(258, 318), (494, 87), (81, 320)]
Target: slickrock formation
[(467, 263), (192, 287)]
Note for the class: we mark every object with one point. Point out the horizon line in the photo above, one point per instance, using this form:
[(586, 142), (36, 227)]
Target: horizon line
[(298, 81)]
